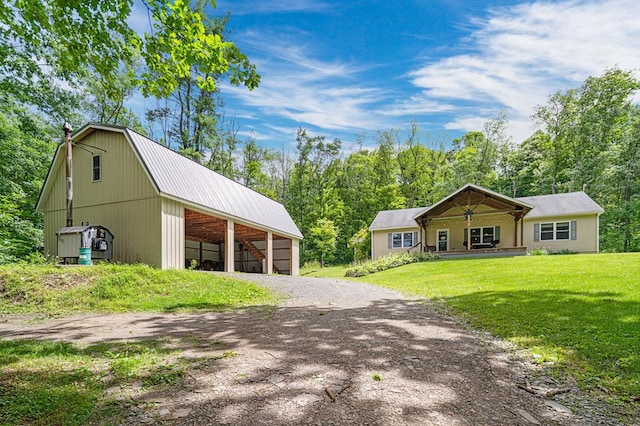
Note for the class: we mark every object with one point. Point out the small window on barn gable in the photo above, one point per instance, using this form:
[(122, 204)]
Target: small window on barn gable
[(96, 168)]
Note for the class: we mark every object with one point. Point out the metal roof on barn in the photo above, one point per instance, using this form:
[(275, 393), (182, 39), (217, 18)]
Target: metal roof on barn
[(187, 181)]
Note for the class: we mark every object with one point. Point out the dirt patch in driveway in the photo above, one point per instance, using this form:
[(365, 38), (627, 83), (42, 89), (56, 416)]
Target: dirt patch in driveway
[(335, 352)]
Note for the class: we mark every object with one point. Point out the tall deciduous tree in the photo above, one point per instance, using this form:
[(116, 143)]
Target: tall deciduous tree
[(621, 199), (419, 169), (105, 101), (26, 147), (43, 42), (252, 171), (312, 194), (581, 125), (323, 239)]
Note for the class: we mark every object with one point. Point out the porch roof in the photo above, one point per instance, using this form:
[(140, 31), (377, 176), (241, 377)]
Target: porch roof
[(471, 196)]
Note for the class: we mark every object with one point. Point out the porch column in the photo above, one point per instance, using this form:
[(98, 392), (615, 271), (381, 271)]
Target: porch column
[(268, 253), (229, 248), (522, 230), (468, 233), (515, 231), (424, 235)]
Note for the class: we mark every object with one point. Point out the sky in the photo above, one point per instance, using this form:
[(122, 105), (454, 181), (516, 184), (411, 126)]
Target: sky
[(349, 69)]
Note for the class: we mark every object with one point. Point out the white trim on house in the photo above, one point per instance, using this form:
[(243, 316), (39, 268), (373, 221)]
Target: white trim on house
[(555, 231), (438, 239)]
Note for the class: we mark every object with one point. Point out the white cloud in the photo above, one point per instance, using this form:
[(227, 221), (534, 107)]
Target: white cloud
[(298, 87), (520, 55), (512, 59)]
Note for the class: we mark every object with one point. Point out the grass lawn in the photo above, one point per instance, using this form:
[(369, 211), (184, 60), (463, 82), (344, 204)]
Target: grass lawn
[(59, 383), (121, 288), (326, 272), (580, 312), (45, 382)]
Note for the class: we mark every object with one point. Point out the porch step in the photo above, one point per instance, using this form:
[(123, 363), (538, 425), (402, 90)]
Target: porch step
[(256, 252)]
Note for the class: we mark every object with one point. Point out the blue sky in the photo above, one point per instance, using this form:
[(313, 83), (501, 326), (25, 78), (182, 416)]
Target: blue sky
[(351, 68)]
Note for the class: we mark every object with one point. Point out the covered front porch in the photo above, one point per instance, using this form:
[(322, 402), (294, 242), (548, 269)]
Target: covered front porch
[(489, 252), (475, 221)]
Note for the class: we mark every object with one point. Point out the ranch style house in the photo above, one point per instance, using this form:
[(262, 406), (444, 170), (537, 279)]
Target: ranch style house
[(476, 220)]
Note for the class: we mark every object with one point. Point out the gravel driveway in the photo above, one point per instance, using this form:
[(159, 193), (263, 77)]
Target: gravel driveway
[(335, 352)]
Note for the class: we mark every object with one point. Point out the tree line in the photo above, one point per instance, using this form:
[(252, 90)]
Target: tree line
[(82, 62), (587, 139)]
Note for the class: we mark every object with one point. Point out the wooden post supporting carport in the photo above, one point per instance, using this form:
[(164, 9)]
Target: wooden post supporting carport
[(229, 248), (268, 253), (295, 257)]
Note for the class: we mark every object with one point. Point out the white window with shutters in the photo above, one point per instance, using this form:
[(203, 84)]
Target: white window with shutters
[(403, 240), (555, 231)]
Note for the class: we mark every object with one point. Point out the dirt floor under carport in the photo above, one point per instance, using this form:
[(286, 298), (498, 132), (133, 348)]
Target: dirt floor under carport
[(335, 352)]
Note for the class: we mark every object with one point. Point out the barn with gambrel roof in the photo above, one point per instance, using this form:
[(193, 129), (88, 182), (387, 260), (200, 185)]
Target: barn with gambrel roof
[(164, 209)]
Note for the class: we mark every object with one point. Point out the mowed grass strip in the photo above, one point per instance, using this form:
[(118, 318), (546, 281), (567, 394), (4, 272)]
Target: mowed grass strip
[(121, 288), (580, 312), (59, 383)]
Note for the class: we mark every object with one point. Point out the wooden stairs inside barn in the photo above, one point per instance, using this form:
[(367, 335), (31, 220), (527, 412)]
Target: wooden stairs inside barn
[(256, 252)]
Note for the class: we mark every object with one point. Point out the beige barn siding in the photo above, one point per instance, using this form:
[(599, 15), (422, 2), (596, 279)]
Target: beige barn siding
[(57, 199), (173, 242), (586, 236), (53, 221), (134, 224), (124, 200), (123, 177)]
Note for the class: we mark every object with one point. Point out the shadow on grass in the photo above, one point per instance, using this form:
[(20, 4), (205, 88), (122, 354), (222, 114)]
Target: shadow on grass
[(392, 362), (52, 397), (199, 306), (56, 383), (595, 331)]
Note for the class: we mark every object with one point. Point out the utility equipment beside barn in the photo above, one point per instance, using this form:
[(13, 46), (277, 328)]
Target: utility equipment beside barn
[(81, 244)]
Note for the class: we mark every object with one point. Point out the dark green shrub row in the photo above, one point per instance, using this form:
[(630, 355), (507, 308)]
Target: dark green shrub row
[(383, 263)]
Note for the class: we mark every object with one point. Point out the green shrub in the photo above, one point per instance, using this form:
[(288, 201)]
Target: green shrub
[(566, 251), (311, 264), (360, 269), (538, 252)]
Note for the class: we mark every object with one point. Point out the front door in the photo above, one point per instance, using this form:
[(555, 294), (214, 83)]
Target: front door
[(443, 239)]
